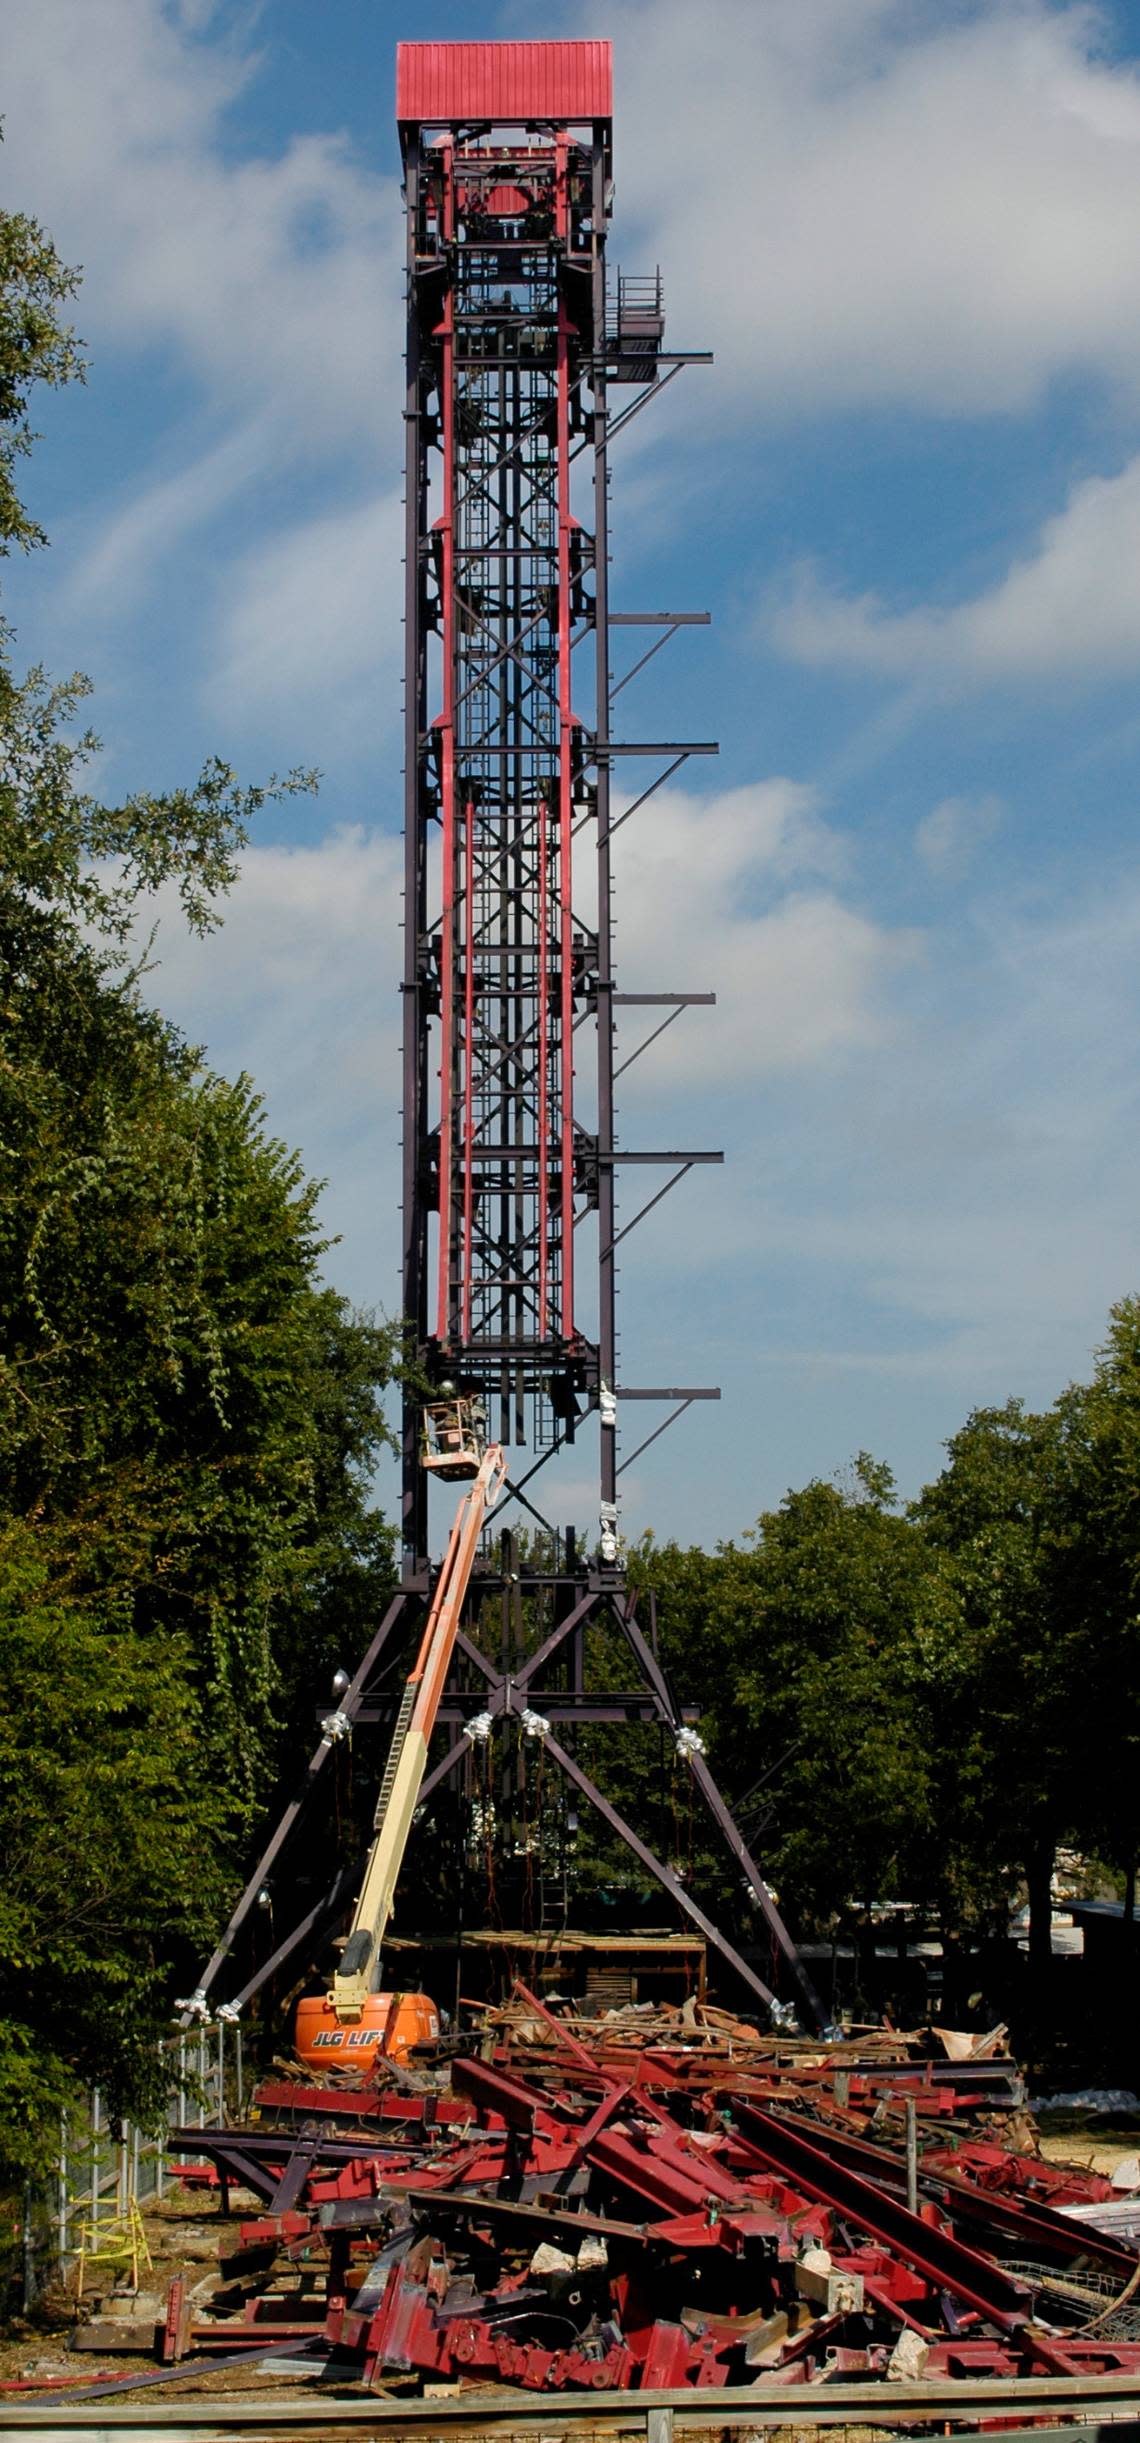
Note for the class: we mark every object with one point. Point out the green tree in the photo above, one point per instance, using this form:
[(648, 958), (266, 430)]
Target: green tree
[(1001, 1511), (115, 1846), (35, 346), (847, 1596), (183, 1405), (189, 1416), (189, 1423), (807, 1648), (1098, 1570)]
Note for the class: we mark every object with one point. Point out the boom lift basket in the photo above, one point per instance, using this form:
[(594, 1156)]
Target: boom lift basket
[(453, 1439)]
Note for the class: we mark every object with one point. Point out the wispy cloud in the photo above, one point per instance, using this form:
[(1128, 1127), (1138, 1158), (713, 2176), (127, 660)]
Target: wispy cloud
[(132, 547), (737, 892), (948, 839), (1069, 608), (882, 202), (263, 289), (271, 276), (978, 1174), (311, 619), (299, 988)]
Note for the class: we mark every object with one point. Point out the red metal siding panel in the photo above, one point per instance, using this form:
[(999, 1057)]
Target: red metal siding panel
[(504, 81)]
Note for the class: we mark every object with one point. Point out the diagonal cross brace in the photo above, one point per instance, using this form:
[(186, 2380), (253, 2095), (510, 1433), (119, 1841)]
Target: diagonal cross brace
[(343, 1716), (657, 1682), (656, 1866)]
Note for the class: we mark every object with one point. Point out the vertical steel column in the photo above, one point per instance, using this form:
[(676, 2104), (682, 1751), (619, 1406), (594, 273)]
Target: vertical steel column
[(607, 1271), (414, 1201), (469, 819), (543, 983), (445, 726), (504, 300), (565, 751)]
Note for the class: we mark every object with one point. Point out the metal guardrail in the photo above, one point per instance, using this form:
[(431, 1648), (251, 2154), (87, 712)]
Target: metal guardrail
[(1105, 2407)]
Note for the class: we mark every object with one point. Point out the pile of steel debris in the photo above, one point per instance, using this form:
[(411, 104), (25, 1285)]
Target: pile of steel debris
[(659, 2200)]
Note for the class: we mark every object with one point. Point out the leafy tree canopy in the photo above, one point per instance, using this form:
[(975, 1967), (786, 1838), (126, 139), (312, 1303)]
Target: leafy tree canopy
[(115, 1845), (35, 346), (189, 1416), (807, 1648)]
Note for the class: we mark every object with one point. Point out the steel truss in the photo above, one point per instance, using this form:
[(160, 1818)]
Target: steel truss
[(514, 345), (515, 341), (532, 1692)]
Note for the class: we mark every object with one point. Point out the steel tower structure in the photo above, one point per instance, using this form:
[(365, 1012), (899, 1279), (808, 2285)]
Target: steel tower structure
[(514, 339), (524, 358)]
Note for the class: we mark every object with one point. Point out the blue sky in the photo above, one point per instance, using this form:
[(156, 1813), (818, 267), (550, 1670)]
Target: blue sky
[(909, 493)]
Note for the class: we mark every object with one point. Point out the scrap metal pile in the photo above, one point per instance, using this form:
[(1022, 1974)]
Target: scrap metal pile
[(663, 2200)]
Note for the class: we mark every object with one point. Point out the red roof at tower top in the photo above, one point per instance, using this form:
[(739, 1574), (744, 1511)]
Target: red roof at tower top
[(503, 81)]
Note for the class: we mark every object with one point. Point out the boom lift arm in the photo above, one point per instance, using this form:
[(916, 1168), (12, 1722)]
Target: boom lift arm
[(399, 1791)]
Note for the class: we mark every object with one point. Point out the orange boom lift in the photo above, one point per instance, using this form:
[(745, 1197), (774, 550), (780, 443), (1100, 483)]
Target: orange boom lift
[(353, 2023)]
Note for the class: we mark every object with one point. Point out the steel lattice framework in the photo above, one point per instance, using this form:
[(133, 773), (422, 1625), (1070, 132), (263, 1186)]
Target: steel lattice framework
[(514, 339), (518, 348), (505, 761)]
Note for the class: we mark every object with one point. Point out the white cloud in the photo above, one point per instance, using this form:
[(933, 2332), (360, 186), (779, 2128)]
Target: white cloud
[(924, 205), (736, 893), (1070, 608), (948, 838), (941, 1220), (867, 202), (299, 988), (978, 1176), (272, 277), (299, 984), (960, 1181), (939, 1177), (312, 617), (264, 287), (133, 546)]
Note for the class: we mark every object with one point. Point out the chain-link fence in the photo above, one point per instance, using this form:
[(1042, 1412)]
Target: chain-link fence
[(105, 2168)]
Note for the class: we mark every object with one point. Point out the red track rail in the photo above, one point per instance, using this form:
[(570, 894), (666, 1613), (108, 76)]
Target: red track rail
[(447, 788)]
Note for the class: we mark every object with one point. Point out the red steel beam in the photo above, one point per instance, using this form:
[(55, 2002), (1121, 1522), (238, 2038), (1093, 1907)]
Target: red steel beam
[(446, 726), (942, 2260), (566, 524)]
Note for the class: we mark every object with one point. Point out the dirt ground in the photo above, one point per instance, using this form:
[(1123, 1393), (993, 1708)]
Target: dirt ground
[(183, 2231), (1097, 2146)]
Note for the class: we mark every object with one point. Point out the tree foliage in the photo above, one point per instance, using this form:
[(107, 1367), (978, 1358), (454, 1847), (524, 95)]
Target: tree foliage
[(35, 346), (806, 1647), (189, 1416), (189, 1421), (996, 1512), (925, 1704), (1037, 1515), (115, 1843), (1099, 1570)]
